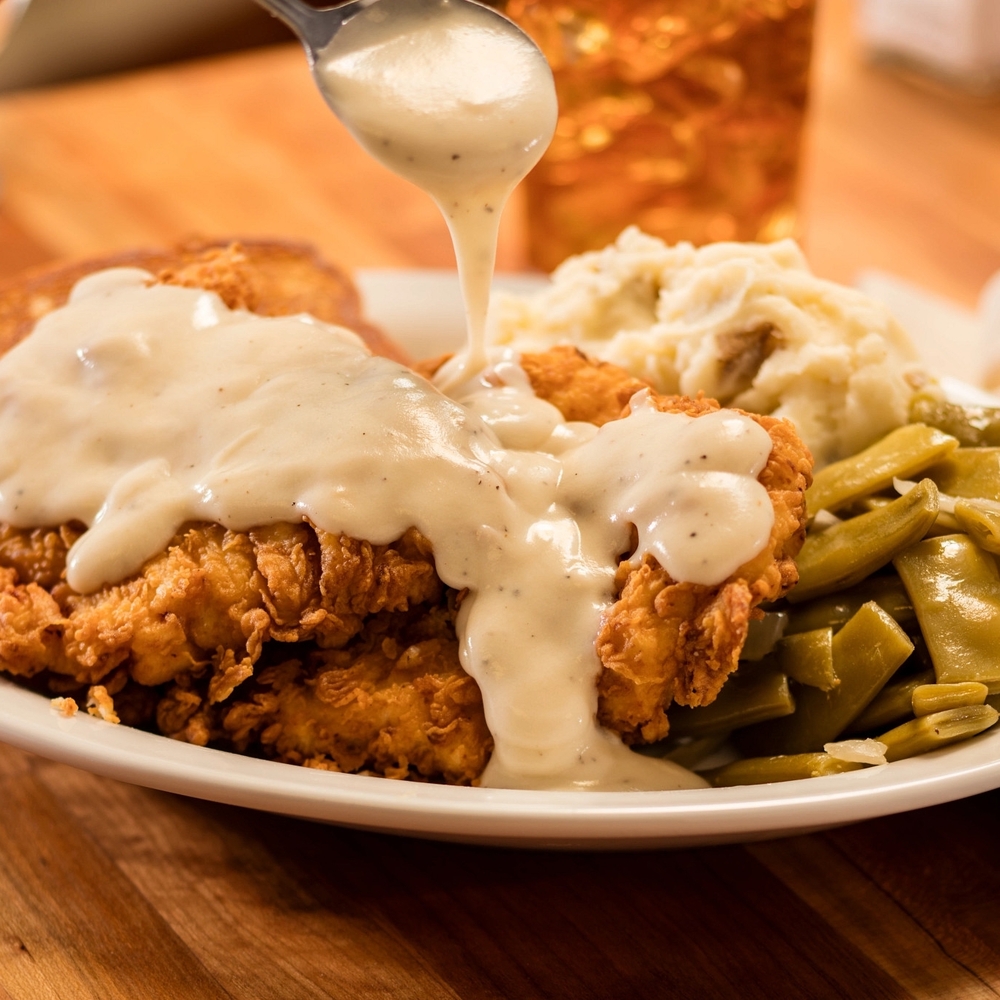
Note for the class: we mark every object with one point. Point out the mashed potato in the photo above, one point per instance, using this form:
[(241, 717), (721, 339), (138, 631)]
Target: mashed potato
[(747, 323)]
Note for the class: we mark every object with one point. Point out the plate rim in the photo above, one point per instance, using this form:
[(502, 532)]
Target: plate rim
[(581, 819)]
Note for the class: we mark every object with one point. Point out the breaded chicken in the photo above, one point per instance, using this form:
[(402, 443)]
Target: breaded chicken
[(663, 641), (211, 600), (267, 277), (395, 702), (379, 685), (324, 650)]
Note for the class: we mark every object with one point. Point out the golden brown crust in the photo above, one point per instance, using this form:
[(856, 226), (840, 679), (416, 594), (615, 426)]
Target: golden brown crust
[(30, 626), (381, 689), (398, 707), (38, 554), (395, 701), (213, 598), (579, 387), (663, 641), (273, 278)]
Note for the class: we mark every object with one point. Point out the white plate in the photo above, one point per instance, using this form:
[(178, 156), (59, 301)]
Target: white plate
[(499, 816), (493, 816)]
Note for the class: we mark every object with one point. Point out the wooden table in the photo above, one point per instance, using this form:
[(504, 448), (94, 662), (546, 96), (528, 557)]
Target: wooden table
[(108, 890)]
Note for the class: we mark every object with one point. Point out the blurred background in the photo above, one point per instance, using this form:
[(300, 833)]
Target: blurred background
[(899, 176), (61, 40), (956, 42)]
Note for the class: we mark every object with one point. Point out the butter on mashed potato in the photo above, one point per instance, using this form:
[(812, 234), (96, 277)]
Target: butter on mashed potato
[(747, 323)]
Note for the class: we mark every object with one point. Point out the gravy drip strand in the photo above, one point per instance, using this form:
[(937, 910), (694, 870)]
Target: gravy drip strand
[(451, 98), (137, 408)]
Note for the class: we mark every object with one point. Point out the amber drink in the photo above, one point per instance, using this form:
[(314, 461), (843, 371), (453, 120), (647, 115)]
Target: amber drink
[(682, 116)]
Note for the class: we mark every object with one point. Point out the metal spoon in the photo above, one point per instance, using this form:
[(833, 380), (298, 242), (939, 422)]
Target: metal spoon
[(314, 27)]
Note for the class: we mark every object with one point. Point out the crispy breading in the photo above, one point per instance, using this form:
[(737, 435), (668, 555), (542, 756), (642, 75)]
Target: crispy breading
[(415, 713), (31, 625), (395, 701), (396, 704), (101, 705), (39, 554), (663, 641), (213, 598), (580, 388), (270, 277), (66, 707)]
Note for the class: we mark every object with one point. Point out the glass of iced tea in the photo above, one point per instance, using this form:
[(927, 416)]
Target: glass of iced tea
[(681, 116)]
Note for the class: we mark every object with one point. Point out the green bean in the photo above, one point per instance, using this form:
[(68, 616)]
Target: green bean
[(867, 651), (955, 589), (930, 698), (807, 658), (866, 504), (931, 732), (747, 698), (763, 634), (944, 524), (893, 702), (974, 426), (969, 472), (902, 453), (980, 520), (692, 753), (886, 590), (784, 767), (921, 657), (850, 551)]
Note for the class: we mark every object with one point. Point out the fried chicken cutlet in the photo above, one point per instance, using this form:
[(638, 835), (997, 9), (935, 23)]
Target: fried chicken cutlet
[(328, 651), (267, 277), (663, 641)]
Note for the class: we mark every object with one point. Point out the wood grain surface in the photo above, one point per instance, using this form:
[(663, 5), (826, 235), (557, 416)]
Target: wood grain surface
[(109, 890)]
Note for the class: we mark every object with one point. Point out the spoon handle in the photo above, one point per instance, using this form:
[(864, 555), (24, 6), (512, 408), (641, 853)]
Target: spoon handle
[(315, 27)]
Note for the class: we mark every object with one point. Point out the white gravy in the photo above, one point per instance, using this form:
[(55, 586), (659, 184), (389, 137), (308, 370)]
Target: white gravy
[(135, 408), (450, 97)]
